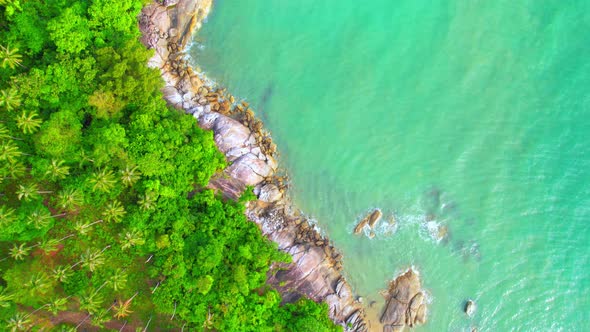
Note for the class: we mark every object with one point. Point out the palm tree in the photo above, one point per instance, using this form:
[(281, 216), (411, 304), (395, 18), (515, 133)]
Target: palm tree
[(118, 280), (131, 239), (19, 322), (103, 180), (10, 57), (5, 133), (114, 211), (28, 123), (27, 192), (9, 99), (5, 298), (122, 308), (90, 301), (58, 304), (68, 199), (38, 284), (92, 260), (19, 252), (7, 216), (39, 218), (57, 170), (129, 175), (16, 169), (9, 151), (49, 245), (147, 202), (62, 273)]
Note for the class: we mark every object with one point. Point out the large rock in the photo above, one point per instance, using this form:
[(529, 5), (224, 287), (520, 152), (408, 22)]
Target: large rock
[(370, 219), (470, 308), (405, 302), (249, 169)]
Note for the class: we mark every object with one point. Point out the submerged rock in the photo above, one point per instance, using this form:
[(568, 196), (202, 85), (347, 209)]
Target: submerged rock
[(470, 308)]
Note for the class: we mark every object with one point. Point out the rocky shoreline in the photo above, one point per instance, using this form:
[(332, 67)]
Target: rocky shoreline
[(316, 269)]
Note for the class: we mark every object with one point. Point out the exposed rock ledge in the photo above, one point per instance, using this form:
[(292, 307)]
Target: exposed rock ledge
[(316, 268)]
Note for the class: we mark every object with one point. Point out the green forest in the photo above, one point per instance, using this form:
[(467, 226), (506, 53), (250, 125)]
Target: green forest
[(105, 221)]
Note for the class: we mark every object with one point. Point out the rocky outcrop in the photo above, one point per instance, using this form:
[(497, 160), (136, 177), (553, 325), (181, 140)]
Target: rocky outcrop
[(470, 308), (315, 270), (405, 303), (371, 220)]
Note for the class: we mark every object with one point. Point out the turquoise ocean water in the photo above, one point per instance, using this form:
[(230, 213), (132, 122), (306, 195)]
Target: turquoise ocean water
[(474, 115)]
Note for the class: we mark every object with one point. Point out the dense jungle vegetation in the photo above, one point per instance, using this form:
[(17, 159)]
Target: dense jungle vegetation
[(97, 227)]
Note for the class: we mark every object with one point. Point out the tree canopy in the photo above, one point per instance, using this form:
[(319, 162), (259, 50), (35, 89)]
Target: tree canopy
[(95, 176)]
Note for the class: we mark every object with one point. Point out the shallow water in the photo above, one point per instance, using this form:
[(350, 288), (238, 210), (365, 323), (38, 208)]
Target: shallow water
[(474, 115)]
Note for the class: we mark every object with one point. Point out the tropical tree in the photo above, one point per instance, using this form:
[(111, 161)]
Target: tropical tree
[(48, 245), (57, 304), (9, 99), (19, 252), (129, 175), (5, 133), (92, 260), (16, 169), (122, 308), (69, 199), (38, 284), (90, 301), (57, 170), (118, 280), (9, 151), (7, 216), (28, 122), (147, 202), (39, 218), (19, 322), (5, 298), (10, 57), (103, 180), (132, 239), (27, 192), (114, 211), (62, 273)]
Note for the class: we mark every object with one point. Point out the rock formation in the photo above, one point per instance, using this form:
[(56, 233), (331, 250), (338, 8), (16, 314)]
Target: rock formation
[(371, 220), (315, 271), (405, 303), (470, 308)]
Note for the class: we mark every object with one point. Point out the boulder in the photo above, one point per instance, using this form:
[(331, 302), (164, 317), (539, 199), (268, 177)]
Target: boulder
[(371, 219), (405, 304), (269, 193), (249, 169), (231, 134), (375, 217), (470, 308)]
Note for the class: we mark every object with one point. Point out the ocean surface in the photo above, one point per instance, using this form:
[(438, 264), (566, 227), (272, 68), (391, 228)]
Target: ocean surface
[(472, 116)]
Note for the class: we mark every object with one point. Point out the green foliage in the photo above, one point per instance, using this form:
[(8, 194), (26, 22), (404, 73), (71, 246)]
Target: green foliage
[(102, 187)]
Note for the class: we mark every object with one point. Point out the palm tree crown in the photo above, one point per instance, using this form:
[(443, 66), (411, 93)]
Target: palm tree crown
[(27, 192), (10, 57), (19, 252), (103, 180), (57, 170), (114, 211), (129, 175), (28, 123), (9, 99)]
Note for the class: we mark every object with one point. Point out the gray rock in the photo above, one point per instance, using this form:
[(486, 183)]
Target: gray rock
[(470, 308), (249, 170), (270, 193)]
